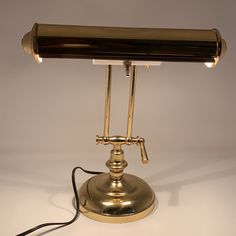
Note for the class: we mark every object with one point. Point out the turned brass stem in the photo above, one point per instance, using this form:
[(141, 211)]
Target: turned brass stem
[(116, 163)]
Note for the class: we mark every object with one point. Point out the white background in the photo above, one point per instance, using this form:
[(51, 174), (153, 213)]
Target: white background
[(50, 114)]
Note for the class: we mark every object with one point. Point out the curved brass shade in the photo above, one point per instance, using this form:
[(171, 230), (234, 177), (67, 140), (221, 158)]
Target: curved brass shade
[(115, 43)]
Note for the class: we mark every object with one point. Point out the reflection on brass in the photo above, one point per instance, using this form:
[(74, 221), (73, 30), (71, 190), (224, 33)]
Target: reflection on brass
[(111, 201), (107, 102), (131, 103), (118, 197), (127, 44)]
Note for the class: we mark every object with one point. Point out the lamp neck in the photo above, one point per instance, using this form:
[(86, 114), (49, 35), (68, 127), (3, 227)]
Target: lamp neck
[(116, 163)]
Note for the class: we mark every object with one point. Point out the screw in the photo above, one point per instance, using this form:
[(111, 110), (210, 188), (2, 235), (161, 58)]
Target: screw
[(127, 65)]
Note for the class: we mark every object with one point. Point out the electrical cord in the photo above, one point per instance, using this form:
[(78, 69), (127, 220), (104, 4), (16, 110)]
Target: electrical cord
[(63, 224)]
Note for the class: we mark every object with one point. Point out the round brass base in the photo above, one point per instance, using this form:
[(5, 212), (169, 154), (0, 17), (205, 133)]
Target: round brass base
[(107, 200)]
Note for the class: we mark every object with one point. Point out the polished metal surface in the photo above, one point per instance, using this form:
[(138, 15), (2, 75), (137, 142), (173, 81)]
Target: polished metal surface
[(107, 200), (131, 101), (118, 140), (117, 197), (146, 44), (107, 101)]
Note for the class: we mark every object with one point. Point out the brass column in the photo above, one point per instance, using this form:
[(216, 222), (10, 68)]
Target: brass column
[(131, 103), (107, 102), (117, 197)]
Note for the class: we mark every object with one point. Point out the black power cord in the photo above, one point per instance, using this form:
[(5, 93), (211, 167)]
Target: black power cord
[(63, 224)]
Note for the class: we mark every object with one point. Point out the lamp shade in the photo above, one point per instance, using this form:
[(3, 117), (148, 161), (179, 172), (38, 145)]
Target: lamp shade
[(116, 43)]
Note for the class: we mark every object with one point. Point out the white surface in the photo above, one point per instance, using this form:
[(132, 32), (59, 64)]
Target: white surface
[(50, 114), (121, 63)]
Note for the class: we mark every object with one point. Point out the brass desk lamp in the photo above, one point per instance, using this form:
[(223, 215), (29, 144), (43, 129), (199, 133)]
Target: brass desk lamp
[(117, 197)]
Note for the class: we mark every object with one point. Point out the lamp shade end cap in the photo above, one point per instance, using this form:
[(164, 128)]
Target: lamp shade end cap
[(223, 48), (27, 43)]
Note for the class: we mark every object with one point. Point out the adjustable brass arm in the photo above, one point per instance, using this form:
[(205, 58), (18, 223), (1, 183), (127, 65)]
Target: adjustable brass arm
[(117, 141)]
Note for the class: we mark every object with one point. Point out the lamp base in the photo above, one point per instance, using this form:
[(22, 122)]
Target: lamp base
[(116, 201)]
